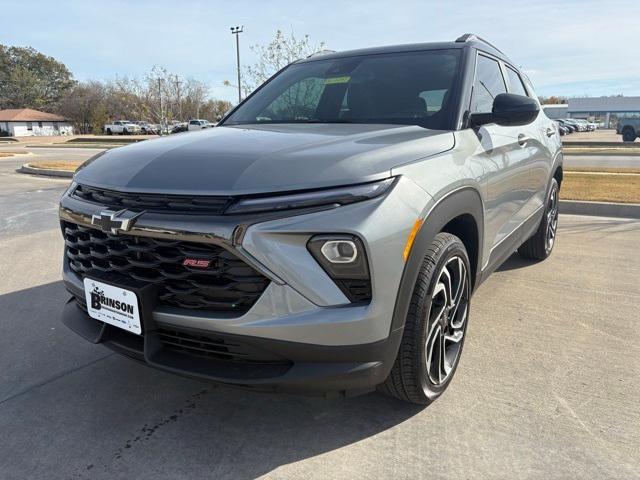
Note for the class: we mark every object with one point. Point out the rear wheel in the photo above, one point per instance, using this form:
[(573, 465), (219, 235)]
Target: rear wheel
[(628, 135), (540, 245), (435, 326), (109, 132)]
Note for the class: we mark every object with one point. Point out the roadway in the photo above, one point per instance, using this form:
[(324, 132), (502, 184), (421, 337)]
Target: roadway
[(547, 386)]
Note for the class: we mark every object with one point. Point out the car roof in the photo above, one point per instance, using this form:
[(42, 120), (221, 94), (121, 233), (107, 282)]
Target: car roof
[(465, 41)]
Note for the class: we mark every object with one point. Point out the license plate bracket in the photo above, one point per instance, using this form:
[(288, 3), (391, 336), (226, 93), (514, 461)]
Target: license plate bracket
[(145, 295)]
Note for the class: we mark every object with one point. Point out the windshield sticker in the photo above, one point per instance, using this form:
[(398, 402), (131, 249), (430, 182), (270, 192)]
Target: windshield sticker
[(335, 80)]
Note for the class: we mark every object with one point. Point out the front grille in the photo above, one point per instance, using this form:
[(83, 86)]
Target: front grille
[(227, 285), (214, 347), (210, 205)]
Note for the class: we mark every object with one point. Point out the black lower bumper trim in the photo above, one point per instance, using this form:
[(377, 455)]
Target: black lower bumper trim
[(297, 368)]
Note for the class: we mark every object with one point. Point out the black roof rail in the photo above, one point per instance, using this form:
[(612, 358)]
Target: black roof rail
[(470, 37)]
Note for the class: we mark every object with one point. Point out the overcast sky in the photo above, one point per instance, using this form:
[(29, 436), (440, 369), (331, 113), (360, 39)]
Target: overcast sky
[(567, 47)]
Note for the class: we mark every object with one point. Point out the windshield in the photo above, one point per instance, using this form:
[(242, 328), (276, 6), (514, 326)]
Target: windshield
[(399, 88)]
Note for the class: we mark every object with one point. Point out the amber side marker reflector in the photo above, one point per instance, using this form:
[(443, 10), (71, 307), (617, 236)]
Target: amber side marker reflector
[(411, 239)]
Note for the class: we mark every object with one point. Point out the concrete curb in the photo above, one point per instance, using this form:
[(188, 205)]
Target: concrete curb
[(600, 209), (27, 168)]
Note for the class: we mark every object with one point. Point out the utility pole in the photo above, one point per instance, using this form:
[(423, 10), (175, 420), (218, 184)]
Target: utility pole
[(178, 82), (237, 31)]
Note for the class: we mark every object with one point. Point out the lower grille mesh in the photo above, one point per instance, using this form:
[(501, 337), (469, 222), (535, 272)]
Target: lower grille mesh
[(214, 347)]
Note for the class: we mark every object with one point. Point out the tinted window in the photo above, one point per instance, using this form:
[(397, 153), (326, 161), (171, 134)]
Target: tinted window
[(488, 84), (400, 88), (515, 83)]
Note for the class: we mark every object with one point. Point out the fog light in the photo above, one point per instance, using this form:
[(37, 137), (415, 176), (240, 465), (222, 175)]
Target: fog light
[(340, 251), (344, 258)]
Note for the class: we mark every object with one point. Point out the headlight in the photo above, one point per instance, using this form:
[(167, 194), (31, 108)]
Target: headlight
[(72, 186), (317, 198)]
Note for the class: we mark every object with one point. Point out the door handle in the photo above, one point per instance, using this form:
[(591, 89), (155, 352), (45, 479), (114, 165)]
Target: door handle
[(550, 132), (522, 140)]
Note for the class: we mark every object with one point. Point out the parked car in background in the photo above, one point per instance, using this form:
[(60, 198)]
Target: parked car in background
[(575, 127), (629, 128), (569, 127), (561, 128), (179, 127), (148, 128), (585, 126), (122, 127), (198, 124)]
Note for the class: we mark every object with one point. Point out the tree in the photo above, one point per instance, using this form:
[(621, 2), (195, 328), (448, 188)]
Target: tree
[(30, 79), (85, 105), (553, 100), (272, 57)]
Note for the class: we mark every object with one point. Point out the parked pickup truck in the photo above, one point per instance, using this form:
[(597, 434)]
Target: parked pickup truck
[(628, 128), (123, 127)]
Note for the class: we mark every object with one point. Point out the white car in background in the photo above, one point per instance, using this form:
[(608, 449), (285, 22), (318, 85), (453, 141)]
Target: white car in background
[(199, 124), (122, 127), (148, 128)]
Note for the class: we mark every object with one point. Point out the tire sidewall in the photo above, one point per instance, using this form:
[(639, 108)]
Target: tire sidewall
[(430, 390)]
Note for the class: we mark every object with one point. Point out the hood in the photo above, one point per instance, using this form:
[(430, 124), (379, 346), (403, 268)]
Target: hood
[(262, 158)]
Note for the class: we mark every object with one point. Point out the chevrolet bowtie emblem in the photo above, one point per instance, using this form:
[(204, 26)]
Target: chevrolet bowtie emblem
[(114, 222)]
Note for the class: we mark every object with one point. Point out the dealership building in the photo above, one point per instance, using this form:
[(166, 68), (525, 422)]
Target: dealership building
[(605, 111)]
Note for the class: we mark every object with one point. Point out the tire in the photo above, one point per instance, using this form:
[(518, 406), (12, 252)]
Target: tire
[(125, 132), (417, 373), (109, 132), (628, 135), (540, 245)]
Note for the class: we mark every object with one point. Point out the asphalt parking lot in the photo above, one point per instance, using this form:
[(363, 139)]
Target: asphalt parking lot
[(547, 386)]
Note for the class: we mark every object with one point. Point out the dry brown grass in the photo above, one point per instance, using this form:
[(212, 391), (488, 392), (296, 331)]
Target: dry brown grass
[(612, 187), (67, 165), (603, 169), (10, 154)]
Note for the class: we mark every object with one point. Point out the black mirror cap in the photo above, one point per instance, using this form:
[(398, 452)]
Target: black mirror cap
[(509, 110), (513, 110)]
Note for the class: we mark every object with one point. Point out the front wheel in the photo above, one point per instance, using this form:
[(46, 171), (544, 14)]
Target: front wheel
[(435, 326), (540, 245)]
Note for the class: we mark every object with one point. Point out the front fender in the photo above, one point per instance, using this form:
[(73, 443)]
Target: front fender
[(464, 201)]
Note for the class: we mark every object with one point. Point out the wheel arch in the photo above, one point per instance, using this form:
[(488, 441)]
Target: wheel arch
[(558, 174), (460, 213)]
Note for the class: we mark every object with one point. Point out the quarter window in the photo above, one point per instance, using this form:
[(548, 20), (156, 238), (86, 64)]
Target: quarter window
[(488, 84), (515, 82)]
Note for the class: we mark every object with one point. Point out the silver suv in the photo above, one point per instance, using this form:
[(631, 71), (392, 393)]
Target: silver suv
[(328, 235)]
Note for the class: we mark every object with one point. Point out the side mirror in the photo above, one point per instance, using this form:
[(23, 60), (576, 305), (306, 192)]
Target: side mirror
[(509, 110), (218, 117)]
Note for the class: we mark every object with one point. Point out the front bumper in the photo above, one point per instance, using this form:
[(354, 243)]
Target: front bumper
[(278, 366), (324, 342)]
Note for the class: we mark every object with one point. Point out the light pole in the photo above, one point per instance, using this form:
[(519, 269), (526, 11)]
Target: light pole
[(237, 31)]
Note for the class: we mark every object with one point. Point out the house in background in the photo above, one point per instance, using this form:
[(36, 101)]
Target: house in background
[(25, 122)]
